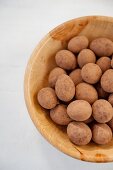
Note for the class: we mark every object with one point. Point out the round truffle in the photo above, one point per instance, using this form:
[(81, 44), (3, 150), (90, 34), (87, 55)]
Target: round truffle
[(78, 43), (75, 75), (91, 73), (86, 56), (86, 92), (101, 93), (107, 81), (110, 99), (79, 133), (102, 111), (101, 133), (59, 115), (47, 98), (79, 110), (66, 59), (102, 47), (65, 88), (110, 124), (104, 63), (54, 74)]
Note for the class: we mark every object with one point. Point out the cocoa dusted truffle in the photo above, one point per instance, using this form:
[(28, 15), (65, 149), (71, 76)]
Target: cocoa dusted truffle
[(79, 133), (65, 88)]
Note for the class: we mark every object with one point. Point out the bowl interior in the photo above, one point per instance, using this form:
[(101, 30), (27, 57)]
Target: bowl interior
[(36, 77)]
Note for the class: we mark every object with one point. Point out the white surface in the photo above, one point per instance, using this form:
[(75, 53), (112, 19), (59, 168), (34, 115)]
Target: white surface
[(22, 24)]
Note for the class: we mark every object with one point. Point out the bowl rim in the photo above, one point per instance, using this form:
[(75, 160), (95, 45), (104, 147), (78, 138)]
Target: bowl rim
[(26, 80)]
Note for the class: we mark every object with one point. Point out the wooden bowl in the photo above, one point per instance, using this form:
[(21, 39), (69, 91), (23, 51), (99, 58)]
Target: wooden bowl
[(41, 63)]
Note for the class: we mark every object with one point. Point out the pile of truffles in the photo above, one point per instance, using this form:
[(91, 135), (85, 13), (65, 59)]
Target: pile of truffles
[(80, 92)]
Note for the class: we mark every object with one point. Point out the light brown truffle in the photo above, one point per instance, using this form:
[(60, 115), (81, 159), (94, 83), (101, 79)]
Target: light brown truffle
[(86, 92), (110, 99), (101, 93), (107, 81), (104, 63), (91, 73), (75, 75), (101, 133), (59, 115), (66, 59), (65, 88), (110, 124), (102, 47), (54, 74), (86, 56), (78, 43), (47, 98), (79, 110), (102, 111), (79, 133)]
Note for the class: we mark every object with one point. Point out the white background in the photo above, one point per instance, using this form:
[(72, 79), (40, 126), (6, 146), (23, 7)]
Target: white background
[(22, 24)]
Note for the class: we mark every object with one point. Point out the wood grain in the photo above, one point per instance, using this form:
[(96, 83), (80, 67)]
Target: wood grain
[(36, 77)]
